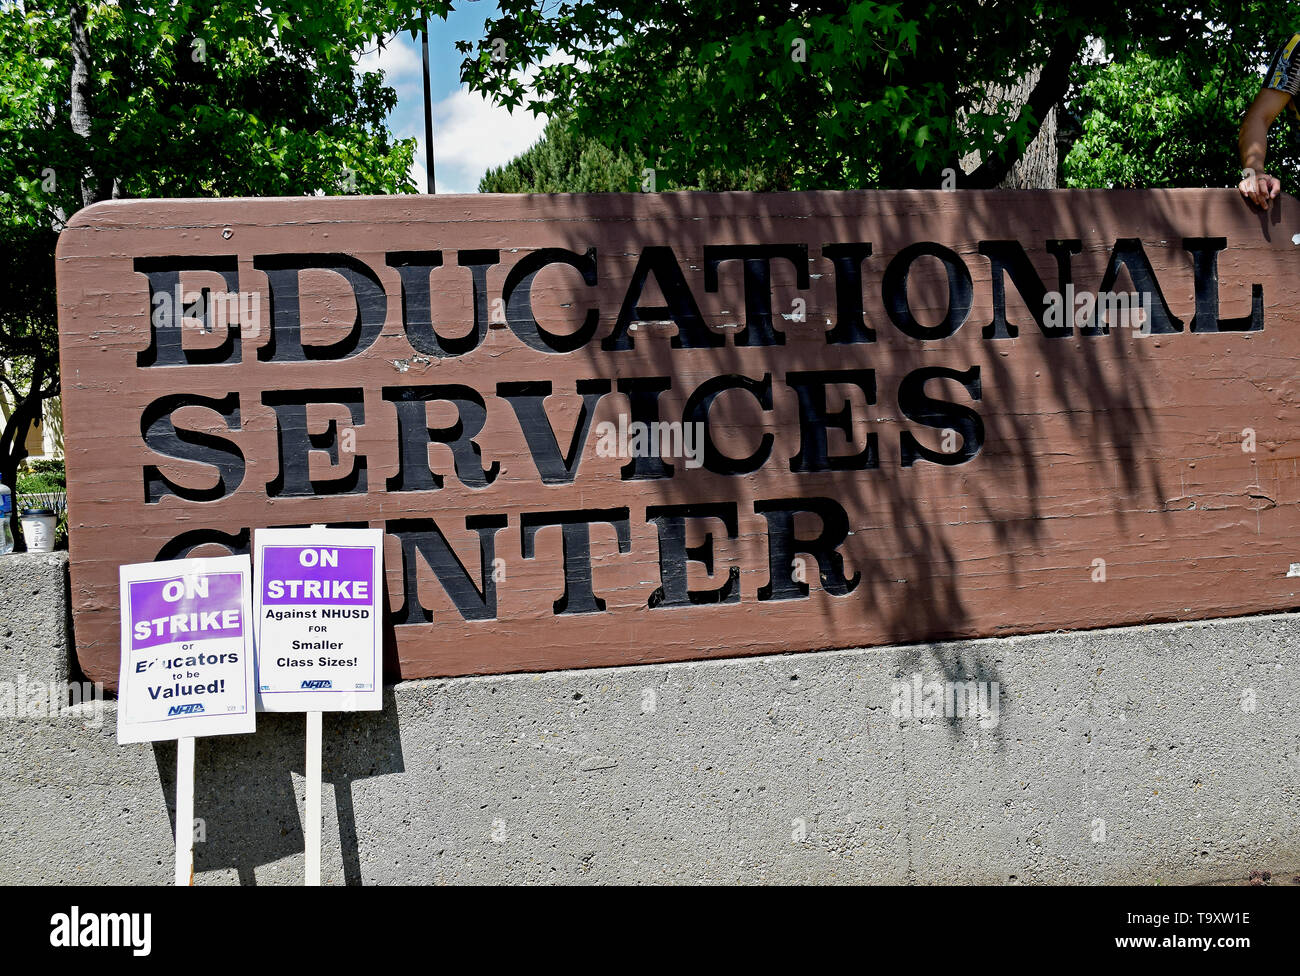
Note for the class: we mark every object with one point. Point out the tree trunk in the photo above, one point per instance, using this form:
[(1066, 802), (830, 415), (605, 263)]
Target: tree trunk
[(91, 191), (1036, 168), (13, 442), (1037, 94)]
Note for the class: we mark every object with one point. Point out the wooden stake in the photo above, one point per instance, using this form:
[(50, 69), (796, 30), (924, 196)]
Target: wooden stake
[(311, 830), (185, 811)]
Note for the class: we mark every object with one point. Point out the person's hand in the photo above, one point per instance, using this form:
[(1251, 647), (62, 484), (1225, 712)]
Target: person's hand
[(1259, 188)]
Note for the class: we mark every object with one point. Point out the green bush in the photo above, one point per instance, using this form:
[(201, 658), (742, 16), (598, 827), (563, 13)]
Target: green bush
[(46, 466), (41, 474), (31, 484), (1167, 121)]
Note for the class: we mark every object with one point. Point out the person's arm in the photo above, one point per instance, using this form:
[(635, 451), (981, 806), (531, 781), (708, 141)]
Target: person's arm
[(1256, 185)]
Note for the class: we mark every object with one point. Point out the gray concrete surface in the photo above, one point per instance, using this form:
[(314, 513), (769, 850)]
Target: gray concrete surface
[(1152, 754), (35, 630)]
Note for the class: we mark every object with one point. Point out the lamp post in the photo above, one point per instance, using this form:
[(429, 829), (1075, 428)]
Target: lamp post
[(428, 111)]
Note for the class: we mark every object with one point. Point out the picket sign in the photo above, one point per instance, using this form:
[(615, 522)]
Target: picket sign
[(186, 666), (318, 637)]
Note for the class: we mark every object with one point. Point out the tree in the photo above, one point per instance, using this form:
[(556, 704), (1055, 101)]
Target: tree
[(28, 339), (118, 99), (1151, 121), (563, 161), (835, 94)]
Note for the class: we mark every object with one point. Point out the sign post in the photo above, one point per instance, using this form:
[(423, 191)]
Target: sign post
[(319, 641), (184, 874), (311, 831), (186, 666)]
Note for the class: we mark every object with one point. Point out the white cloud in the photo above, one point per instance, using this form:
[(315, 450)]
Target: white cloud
[(400, 62), (470, 135)]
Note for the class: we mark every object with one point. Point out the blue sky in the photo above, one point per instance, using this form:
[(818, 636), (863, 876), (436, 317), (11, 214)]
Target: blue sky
[(469, 134)]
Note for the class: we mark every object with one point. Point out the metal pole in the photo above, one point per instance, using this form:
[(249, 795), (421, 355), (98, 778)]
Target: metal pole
[(428, 112)]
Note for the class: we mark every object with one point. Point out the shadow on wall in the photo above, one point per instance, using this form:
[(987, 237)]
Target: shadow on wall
[(919, 565), (247, 798)]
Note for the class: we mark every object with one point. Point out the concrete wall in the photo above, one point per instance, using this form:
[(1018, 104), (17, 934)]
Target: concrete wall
[(1183, 739)]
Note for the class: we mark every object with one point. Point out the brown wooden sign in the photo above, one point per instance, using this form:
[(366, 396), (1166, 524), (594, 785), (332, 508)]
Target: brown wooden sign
[(617, 429)]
